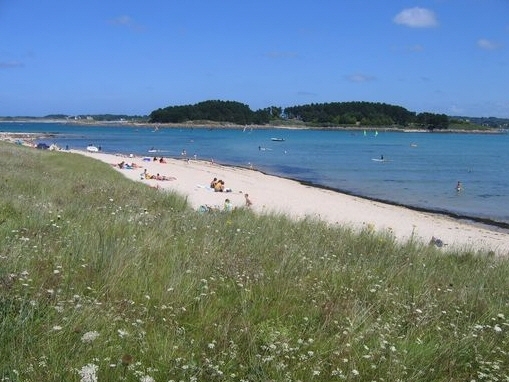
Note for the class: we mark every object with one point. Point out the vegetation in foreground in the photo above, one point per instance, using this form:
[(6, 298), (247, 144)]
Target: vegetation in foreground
[(105, 279)]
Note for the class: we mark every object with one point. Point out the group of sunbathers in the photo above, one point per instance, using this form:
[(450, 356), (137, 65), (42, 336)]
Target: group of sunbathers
[(218, 185), (146, 175), (128, 166)]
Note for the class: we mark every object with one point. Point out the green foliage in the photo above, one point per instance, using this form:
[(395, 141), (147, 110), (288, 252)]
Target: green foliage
[(325, 114), (218, 111), (432, 121), (102, 278), (364, 113)]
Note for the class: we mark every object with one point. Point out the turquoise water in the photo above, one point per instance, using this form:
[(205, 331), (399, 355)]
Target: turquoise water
[(420, 170)]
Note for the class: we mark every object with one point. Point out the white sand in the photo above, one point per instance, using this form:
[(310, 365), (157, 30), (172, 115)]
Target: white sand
[(271, 194)]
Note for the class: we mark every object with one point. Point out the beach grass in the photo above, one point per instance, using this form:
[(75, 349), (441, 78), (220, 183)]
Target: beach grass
[(103, 279)]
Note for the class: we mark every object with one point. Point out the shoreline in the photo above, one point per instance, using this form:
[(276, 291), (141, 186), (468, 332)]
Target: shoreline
[(227, 125), (468, 218), (278, 195), (486, 222)]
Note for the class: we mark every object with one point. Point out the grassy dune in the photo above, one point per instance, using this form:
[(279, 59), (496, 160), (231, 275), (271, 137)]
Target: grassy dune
[(105, 279)]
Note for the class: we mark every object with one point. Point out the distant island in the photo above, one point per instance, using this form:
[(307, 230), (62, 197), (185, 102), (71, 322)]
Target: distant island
[(320, 115)]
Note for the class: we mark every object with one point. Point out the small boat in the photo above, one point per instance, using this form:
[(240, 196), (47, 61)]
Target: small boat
[(277, 139), (92, 148)]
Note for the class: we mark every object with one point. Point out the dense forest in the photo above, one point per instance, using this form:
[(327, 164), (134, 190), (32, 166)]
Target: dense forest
[(217, 111), (320, 115)]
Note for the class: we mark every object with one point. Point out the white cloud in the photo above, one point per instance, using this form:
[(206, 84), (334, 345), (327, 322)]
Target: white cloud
[(416, 18), (487, 44)]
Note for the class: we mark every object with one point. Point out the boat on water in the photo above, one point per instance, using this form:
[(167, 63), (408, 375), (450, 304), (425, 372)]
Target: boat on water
[(154, 150), (92, 148), (277, 139)]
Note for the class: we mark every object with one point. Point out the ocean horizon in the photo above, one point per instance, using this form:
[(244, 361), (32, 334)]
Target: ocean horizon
[(418, 170)]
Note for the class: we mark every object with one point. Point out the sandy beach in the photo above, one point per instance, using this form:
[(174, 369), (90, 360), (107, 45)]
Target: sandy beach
[(271, 194)]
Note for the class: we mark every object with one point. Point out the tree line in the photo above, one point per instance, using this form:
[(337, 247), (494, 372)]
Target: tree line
[(217, 111), (316, 114)]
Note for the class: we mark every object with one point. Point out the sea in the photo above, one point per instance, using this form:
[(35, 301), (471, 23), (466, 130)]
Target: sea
[(419, 170)]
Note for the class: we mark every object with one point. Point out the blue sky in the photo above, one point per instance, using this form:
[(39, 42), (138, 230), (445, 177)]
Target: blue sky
[(132, 57)]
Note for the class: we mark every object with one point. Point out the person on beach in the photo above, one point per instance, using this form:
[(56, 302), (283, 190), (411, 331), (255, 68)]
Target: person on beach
[(219, 186), (228, 205), (164, 177), (249, 203), (213, 183)]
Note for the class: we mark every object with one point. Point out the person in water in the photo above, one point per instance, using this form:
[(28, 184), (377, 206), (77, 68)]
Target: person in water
[(459, 186)]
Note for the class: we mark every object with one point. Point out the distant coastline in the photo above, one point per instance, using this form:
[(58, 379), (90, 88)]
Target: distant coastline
[(228, 125)]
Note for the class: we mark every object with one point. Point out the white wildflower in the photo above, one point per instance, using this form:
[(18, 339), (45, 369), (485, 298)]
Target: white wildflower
[(57, 328), (147, 378), (89, 336), (497, 328), (88, 373), (122, 333)]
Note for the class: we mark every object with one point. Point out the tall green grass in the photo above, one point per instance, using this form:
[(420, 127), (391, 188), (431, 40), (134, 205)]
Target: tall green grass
[(105, 279)]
